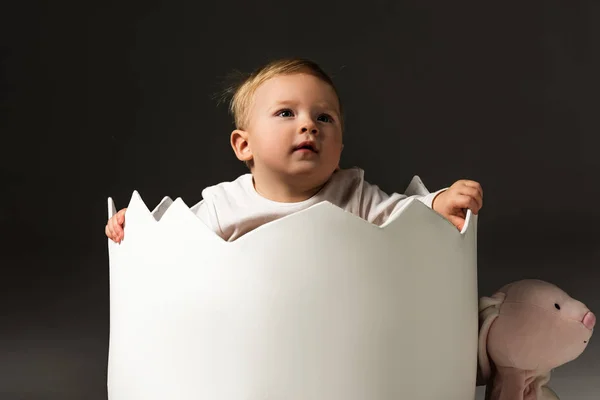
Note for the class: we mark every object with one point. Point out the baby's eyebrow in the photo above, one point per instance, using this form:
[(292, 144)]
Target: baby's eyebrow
[(280, 103)]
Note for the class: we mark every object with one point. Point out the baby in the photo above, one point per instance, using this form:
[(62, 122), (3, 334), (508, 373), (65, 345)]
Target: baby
[(289, 125)]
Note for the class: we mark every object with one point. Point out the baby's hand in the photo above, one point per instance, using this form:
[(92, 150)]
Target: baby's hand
[(454, 202), (114, 226)]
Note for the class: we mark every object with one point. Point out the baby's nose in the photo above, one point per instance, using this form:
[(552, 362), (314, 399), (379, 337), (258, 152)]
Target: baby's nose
[(589, 320), (306, 128)]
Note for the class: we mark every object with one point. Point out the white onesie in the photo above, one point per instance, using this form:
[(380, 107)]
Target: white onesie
[(232, 209)]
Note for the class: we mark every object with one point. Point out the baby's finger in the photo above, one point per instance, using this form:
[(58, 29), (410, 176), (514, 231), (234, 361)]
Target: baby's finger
[(118, 226), (108, 231), (458, 222), (464, 201), (473, 193), (121, 216), (116, 229), (474, 206), (474, 185)]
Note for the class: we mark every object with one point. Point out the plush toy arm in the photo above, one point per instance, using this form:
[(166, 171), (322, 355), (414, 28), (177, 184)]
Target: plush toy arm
[(489, 309), (481, 381), (548, 394), (544, 392)]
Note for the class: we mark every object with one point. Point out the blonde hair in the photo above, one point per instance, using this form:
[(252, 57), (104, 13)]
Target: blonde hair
[(241, 93)]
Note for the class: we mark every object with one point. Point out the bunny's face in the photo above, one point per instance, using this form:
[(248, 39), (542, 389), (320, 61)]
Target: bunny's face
[(539, 327)]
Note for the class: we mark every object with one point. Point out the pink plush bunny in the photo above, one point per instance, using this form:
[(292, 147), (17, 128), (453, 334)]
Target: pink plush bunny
[(528, 328)]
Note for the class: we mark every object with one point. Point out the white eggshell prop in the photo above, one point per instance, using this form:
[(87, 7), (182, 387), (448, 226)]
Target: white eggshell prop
[(318, 305)]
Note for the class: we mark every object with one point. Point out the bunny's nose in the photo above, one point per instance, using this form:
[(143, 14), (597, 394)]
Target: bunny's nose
[(589, 320)]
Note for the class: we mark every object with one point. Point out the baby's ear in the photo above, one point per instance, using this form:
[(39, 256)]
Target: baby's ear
[(240, 145)]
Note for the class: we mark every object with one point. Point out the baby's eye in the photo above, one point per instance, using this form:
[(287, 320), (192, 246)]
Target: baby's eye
[(285, 113), (556, 306), (326, 118)]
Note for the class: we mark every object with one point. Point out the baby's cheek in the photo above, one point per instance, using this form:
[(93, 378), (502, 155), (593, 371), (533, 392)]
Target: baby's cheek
[(275, 149)]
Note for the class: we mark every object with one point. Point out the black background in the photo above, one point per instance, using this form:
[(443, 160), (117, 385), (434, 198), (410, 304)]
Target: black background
[(101, 99)]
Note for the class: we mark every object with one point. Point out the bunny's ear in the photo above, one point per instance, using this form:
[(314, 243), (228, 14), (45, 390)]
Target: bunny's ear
[(489, 309)]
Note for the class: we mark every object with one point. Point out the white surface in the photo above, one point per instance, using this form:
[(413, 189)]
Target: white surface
[(319, 305)]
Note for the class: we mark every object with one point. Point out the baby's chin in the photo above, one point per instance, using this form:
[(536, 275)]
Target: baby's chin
[(311, 175), (309, 169)]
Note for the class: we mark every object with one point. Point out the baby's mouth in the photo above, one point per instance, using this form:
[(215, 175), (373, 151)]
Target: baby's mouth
[(306, 146)]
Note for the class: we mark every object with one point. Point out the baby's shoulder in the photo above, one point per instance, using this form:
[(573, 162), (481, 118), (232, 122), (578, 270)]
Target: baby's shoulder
[(228, 189), (345, 185)]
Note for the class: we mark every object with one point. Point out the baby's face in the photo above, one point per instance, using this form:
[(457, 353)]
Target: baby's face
[(288, 110)]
